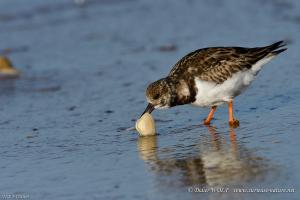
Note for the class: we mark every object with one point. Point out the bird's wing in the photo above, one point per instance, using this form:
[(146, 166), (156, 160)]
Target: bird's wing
[(217, 64)]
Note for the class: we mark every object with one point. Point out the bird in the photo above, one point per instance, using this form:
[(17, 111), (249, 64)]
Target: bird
[(210, 77)]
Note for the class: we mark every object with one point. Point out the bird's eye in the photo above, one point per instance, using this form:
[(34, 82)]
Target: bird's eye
[(156, 96)]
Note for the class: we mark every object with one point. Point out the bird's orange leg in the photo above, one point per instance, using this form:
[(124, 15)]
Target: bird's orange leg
[(232, 122), (210, 115)]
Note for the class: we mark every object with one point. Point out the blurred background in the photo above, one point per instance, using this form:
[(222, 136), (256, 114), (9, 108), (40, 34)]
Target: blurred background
[(84, 68)]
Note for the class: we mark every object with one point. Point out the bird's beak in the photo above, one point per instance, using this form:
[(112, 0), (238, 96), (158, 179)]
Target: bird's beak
[(149, 109)]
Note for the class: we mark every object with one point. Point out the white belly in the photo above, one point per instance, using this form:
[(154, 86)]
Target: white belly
[(211, 94)]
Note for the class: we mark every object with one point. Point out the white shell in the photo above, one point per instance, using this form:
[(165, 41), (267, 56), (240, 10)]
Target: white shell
[(145, 125)]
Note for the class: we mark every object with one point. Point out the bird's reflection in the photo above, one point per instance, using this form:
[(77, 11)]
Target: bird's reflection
[(216, 162)]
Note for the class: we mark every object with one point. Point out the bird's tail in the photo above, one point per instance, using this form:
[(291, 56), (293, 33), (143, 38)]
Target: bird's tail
[(275, 49), (267, 53)]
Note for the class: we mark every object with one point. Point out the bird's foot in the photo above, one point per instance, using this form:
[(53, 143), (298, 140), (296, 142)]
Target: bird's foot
[(234, 124), (206, 122)]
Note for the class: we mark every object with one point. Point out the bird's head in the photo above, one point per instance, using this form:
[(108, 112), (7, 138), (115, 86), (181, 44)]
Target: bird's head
[(158, 95)]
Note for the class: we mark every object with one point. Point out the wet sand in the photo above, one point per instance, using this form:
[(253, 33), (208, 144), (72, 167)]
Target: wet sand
[(85, 67)]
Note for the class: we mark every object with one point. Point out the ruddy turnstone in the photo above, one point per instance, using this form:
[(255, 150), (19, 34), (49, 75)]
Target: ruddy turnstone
[(210, 77)]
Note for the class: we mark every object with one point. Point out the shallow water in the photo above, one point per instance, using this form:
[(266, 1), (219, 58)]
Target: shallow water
[(85, 68)]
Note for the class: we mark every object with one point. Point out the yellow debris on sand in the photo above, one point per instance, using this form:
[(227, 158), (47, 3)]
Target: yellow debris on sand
[(6, 68)]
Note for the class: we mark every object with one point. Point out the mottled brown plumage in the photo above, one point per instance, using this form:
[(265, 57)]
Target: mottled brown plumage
[(217, 64)]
